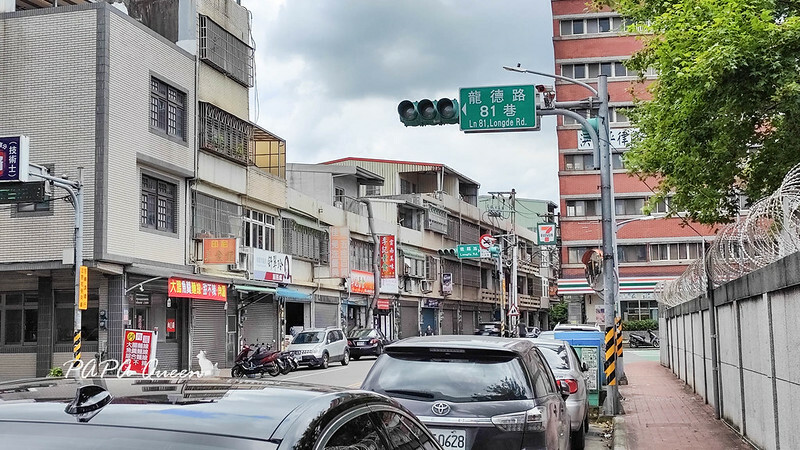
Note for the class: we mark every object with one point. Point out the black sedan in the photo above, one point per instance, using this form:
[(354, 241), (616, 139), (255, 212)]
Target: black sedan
[(202, 414), (366, 341)]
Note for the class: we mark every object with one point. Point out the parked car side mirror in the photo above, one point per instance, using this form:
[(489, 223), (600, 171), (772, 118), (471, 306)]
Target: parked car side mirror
[(584, 367), (563, 388)]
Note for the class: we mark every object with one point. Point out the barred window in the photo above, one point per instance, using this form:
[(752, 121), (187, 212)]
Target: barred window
[(167, 109), (470, 233), (304, 242), (225, 52), (361, 255), (216, 218), (159, 204), (471, 275)]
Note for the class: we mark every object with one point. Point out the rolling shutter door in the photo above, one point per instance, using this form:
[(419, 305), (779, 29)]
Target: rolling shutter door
[(409, 321), (259, 327), (208, 319), (168, 355), (326, 314), (468, 320), (447, 321)]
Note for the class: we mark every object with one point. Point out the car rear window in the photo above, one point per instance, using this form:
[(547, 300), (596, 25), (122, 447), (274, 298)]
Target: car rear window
[(458, 380), (556, 357), (363, 333)]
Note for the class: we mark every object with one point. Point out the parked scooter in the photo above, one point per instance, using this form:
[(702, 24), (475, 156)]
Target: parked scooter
[(262, 360), (637, 340)]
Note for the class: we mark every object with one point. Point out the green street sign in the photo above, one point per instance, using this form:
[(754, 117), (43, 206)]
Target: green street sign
[(468, 251), (498, 108)]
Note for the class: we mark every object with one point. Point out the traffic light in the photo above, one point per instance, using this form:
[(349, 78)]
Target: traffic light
[(447, 252), (428, 112), (593, 124)]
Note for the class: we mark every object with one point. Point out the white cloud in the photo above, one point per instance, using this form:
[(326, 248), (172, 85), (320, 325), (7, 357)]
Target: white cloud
[(330, 76)]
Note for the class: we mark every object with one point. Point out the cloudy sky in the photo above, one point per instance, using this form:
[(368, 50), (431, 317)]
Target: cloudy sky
[(330, 74)]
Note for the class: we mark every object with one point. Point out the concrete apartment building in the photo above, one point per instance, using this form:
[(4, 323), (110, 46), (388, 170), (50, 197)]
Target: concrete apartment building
[(587, 44), (437, 208)]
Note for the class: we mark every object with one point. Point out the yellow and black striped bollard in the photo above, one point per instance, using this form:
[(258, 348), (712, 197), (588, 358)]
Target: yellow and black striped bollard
[(611, 357)]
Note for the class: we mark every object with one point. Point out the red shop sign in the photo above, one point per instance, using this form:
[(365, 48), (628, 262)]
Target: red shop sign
[(205, 290), (138, 349)]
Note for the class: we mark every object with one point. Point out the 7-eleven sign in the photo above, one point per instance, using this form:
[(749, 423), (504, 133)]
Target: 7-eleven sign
[(546, 232)]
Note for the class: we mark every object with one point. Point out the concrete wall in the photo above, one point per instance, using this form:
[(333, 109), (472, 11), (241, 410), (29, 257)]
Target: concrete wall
[(759, 365), (52, 102)]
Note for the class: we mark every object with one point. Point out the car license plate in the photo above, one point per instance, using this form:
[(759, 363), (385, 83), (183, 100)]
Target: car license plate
[(450, 439), (360, 344)]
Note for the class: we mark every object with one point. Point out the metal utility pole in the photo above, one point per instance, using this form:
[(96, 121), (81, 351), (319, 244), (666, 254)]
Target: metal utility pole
[(602, 157), (611, 405), (75, 190), (514, 297)]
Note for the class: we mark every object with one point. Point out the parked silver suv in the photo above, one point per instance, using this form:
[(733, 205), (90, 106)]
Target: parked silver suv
[(317, 347)]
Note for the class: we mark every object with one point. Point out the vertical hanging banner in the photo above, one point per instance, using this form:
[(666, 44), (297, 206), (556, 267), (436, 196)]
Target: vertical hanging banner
[(339, 252), (138, 350), (388, 248)]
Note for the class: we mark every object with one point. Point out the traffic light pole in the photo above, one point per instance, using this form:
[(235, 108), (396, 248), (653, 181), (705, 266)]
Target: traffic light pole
[(603, 157), (75, 190)]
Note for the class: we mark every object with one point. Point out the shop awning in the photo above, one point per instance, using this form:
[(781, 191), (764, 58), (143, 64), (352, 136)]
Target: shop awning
[(292, 294), (249, 288)]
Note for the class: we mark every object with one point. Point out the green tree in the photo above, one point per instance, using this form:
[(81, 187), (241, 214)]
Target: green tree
[(558, 313), (725, 111)]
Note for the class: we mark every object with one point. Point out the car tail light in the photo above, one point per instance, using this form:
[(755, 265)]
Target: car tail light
[(373, 341), (530, 420), (349, 342), (572, 384)]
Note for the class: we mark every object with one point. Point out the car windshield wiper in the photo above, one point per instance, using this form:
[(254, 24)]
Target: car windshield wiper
[(410, 393)]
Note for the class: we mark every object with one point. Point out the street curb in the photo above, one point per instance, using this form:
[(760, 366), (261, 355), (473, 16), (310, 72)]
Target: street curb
[(620, 434)]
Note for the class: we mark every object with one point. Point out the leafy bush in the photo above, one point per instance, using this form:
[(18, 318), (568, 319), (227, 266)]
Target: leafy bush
[(640, 325), (558, 313), (56, 372)]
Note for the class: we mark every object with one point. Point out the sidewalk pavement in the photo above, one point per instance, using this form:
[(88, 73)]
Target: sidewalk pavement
[(661, 412)]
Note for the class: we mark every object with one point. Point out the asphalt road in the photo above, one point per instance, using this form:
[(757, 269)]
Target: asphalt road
[(336, 374)]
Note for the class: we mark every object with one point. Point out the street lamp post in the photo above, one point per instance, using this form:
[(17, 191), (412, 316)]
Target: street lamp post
[(601, 148)]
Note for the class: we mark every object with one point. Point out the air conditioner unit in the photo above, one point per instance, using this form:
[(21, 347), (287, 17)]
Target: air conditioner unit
[(426, 286), (241, 261)]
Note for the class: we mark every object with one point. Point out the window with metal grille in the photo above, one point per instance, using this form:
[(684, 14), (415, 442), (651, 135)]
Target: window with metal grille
[(159, 204), (453, 228), (470, 233), (372, 190), (431, 267), (167, 109), (224, 52), (216, 218), (361, 255), (224, 133), (471, 275), (304, 242)]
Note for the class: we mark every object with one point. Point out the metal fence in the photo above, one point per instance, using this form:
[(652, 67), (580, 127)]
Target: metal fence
[(770, 231)]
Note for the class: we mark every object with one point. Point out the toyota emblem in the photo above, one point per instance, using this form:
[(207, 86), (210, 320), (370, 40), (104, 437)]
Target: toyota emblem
[(440, 408)]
